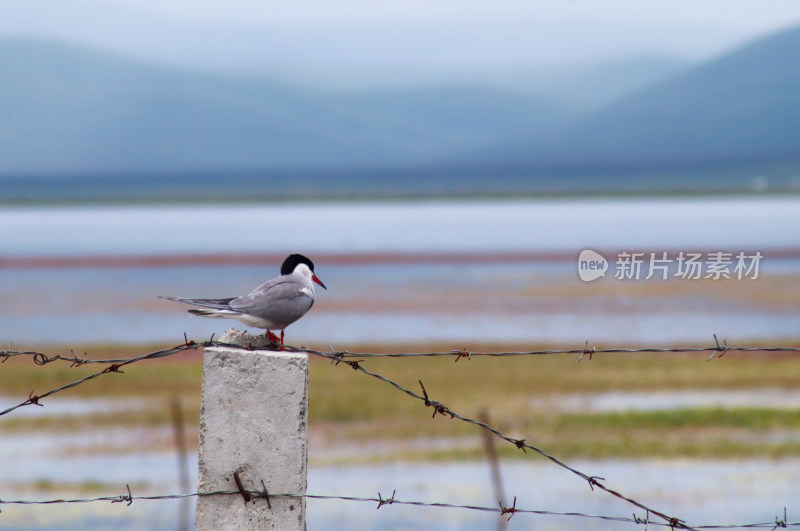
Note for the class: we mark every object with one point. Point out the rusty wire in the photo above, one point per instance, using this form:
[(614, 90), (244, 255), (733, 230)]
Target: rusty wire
[(718, 350), (39, 358), (381, 501), (114, 367), (439, 408)]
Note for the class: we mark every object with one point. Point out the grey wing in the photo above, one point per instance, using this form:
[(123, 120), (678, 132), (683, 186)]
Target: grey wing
[(217, 304), (281, 301)]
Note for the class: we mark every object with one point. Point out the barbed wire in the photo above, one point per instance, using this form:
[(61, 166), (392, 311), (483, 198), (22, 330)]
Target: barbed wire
[(114, 367), (438, 407), (39, 358), (501, 510), (718, 350)]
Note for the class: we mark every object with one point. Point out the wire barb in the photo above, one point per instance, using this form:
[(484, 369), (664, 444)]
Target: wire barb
[(246, 495), (509, 510), (463, 353), (125, 497), (387, 501), (781, 523), (645, 520), (587, 351), (265, 495), (720, 350), (189, 343), (33, 399), (594, 481), (113, 368), (77, 362), (354, 364), (438, 407)]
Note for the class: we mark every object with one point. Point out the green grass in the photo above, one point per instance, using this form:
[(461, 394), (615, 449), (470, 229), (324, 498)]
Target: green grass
[(180, 374), (353, 406), (86, 487), (347, 406), (340, 394)]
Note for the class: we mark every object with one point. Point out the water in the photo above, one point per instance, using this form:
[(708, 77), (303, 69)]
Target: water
[(626, 401), (527, 299), (707, 493), (420, 226), (701, 493), (389, 299), (396, 303), (369, 183)]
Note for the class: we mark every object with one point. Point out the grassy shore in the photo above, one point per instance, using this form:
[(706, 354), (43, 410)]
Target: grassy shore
[(351, 409)]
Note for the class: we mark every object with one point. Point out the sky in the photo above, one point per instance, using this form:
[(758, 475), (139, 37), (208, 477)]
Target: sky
[(404, 35), (737, 14)]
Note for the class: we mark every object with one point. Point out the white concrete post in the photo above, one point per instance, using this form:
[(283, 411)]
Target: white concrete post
[(253, 421)]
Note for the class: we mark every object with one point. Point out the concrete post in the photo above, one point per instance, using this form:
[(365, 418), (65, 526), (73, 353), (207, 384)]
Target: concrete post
[(253, 421)]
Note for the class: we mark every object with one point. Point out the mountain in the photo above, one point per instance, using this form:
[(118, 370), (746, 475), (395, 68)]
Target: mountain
[(71, 109), (741, 108), (593, 86)]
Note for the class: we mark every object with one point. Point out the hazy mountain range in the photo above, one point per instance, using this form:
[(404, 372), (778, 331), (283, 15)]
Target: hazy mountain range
[(68, 109), (743, 107)]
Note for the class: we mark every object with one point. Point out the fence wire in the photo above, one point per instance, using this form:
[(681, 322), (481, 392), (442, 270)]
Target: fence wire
[(114, 365), (717, 350), (381, 501), (438, 407)]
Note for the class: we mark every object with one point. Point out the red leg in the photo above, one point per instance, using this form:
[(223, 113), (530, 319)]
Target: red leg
[(281, 337), (272, 337)]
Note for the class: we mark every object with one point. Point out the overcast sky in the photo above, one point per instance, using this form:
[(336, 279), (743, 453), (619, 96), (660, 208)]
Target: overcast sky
[(744, 15), (432, 34)]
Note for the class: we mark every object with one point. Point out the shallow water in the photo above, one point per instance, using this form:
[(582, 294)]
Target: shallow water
[(470, 302), (698, 491), (403, 226), (460, 302), (621, 401), (490, 300), (701, 493)]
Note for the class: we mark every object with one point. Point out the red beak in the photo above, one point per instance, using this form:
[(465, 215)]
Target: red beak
[(318, 281)]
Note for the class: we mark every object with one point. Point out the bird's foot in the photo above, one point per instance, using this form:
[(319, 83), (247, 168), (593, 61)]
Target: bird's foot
[(273, 338)]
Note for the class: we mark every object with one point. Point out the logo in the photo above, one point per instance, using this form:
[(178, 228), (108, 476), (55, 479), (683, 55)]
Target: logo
[(591, 265), (685, 265)]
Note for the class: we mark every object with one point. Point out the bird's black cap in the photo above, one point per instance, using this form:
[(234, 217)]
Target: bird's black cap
[(290, 263)]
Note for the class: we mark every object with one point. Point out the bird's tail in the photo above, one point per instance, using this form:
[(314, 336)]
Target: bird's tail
[(217, 304), (219, 314)]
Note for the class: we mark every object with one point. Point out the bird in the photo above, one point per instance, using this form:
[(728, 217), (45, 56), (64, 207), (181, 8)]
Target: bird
[(273, 305)]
